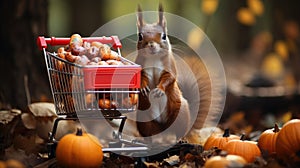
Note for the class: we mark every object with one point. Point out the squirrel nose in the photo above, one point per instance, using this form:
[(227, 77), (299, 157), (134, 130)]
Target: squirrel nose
[(151, 44)]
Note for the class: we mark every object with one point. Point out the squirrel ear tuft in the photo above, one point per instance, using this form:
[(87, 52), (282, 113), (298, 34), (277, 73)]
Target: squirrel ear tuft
[(162, 21), (160, 7), (140, 21)]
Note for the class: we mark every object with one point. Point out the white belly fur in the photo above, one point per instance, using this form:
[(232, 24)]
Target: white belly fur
[(153, 68)]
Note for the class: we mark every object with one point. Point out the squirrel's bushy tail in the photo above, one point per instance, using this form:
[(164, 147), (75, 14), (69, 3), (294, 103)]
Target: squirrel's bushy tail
[(205, 97)]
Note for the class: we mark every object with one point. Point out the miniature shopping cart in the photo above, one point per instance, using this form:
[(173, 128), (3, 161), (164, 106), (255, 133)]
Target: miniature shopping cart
[(77, 90)]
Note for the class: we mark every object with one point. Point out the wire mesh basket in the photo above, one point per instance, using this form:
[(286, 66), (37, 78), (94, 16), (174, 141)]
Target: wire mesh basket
[(91, 90)]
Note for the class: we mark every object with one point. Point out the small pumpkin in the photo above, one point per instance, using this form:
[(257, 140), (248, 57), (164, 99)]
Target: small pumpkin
[(2, 164), (288, 141), (11, 163), (267, 140), (219, 140), (247, 149), (79, 150), (224, 161)]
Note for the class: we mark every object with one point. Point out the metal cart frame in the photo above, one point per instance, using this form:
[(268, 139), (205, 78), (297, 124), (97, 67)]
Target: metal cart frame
[(70, 84)]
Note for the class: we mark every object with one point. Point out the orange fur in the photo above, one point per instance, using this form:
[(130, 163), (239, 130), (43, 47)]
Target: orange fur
[(159, 74)]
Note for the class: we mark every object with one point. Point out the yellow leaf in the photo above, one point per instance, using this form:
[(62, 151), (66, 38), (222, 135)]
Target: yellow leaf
[(272, 66), (209, 6), (286, 117), (281, 49), (195, 38), (256, 6), (245, 16)]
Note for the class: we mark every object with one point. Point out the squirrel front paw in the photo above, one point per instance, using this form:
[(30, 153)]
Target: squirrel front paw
[(145, 90), (157, 93)]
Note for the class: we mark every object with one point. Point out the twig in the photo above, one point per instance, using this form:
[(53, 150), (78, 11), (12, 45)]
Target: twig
[(27, 92)]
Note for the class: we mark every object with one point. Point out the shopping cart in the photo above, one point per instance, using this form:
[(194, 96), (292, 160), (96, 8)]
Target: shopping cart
[(78, 89)]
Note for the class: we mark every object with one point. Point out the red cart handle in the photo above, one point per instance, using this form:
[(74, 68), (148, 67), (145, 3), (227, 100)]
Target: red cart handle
[(42, 42)]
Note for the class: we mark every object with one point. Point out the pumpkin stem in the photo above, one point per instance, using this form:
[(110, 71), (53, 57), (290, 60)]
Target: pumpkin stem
[(243, 136), (226, 132), (79, 132), (276, 128)]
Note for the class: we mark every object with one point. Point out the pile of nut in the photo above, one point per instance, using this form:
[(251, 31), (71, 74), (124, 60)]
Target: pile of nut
[(89, 53)]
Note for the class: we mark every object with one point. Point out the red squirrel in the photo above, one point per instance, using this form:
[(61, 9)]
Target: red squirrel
[(161, 104)]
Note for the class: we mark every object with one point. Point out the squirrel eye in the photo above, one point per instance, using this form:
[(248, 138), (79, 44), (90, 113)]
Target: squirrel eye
[(163, 36), (140, 36)]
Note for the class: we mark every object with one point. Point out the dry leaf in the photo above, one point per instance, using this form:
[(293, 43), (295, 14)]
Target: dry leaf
[(199, 136), (42, 109), (189, 157), (172, 161), (7, 116), (151, 165), (28, 120), (188, 165)]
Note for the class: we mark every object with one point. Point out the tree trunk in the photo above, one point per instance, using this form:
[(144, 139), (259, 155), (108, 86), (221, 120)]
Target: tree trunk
[(23, 72)]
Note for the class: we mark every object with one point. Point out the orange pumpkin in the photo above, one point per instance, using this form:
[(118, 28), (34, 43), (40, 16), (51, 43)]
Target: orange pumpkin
[(11, 163), (225, 161), (2, 164), (267, 140), (79, 150), (288, 141), (219, 140), (247, 149)]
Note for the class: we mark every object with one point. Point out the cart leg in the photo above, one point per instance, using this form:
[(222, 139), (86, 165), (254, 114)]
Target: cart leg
[(51, 145), (54, 129), (123, 120), (118, 134)]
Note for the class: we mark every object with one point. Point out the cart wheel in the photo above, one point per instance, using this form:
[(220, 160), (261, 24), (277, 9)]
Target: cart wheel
[(51, 147)]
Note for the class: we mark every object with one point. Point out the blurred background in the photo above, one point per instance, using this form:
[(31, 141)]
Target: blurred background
[(257, 40)]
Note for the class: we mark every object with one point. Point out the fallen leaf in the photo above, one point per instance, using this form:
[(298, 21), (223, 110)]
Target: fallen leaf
[(7, 116), (172, 161), (28, 120), (42, 109)]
